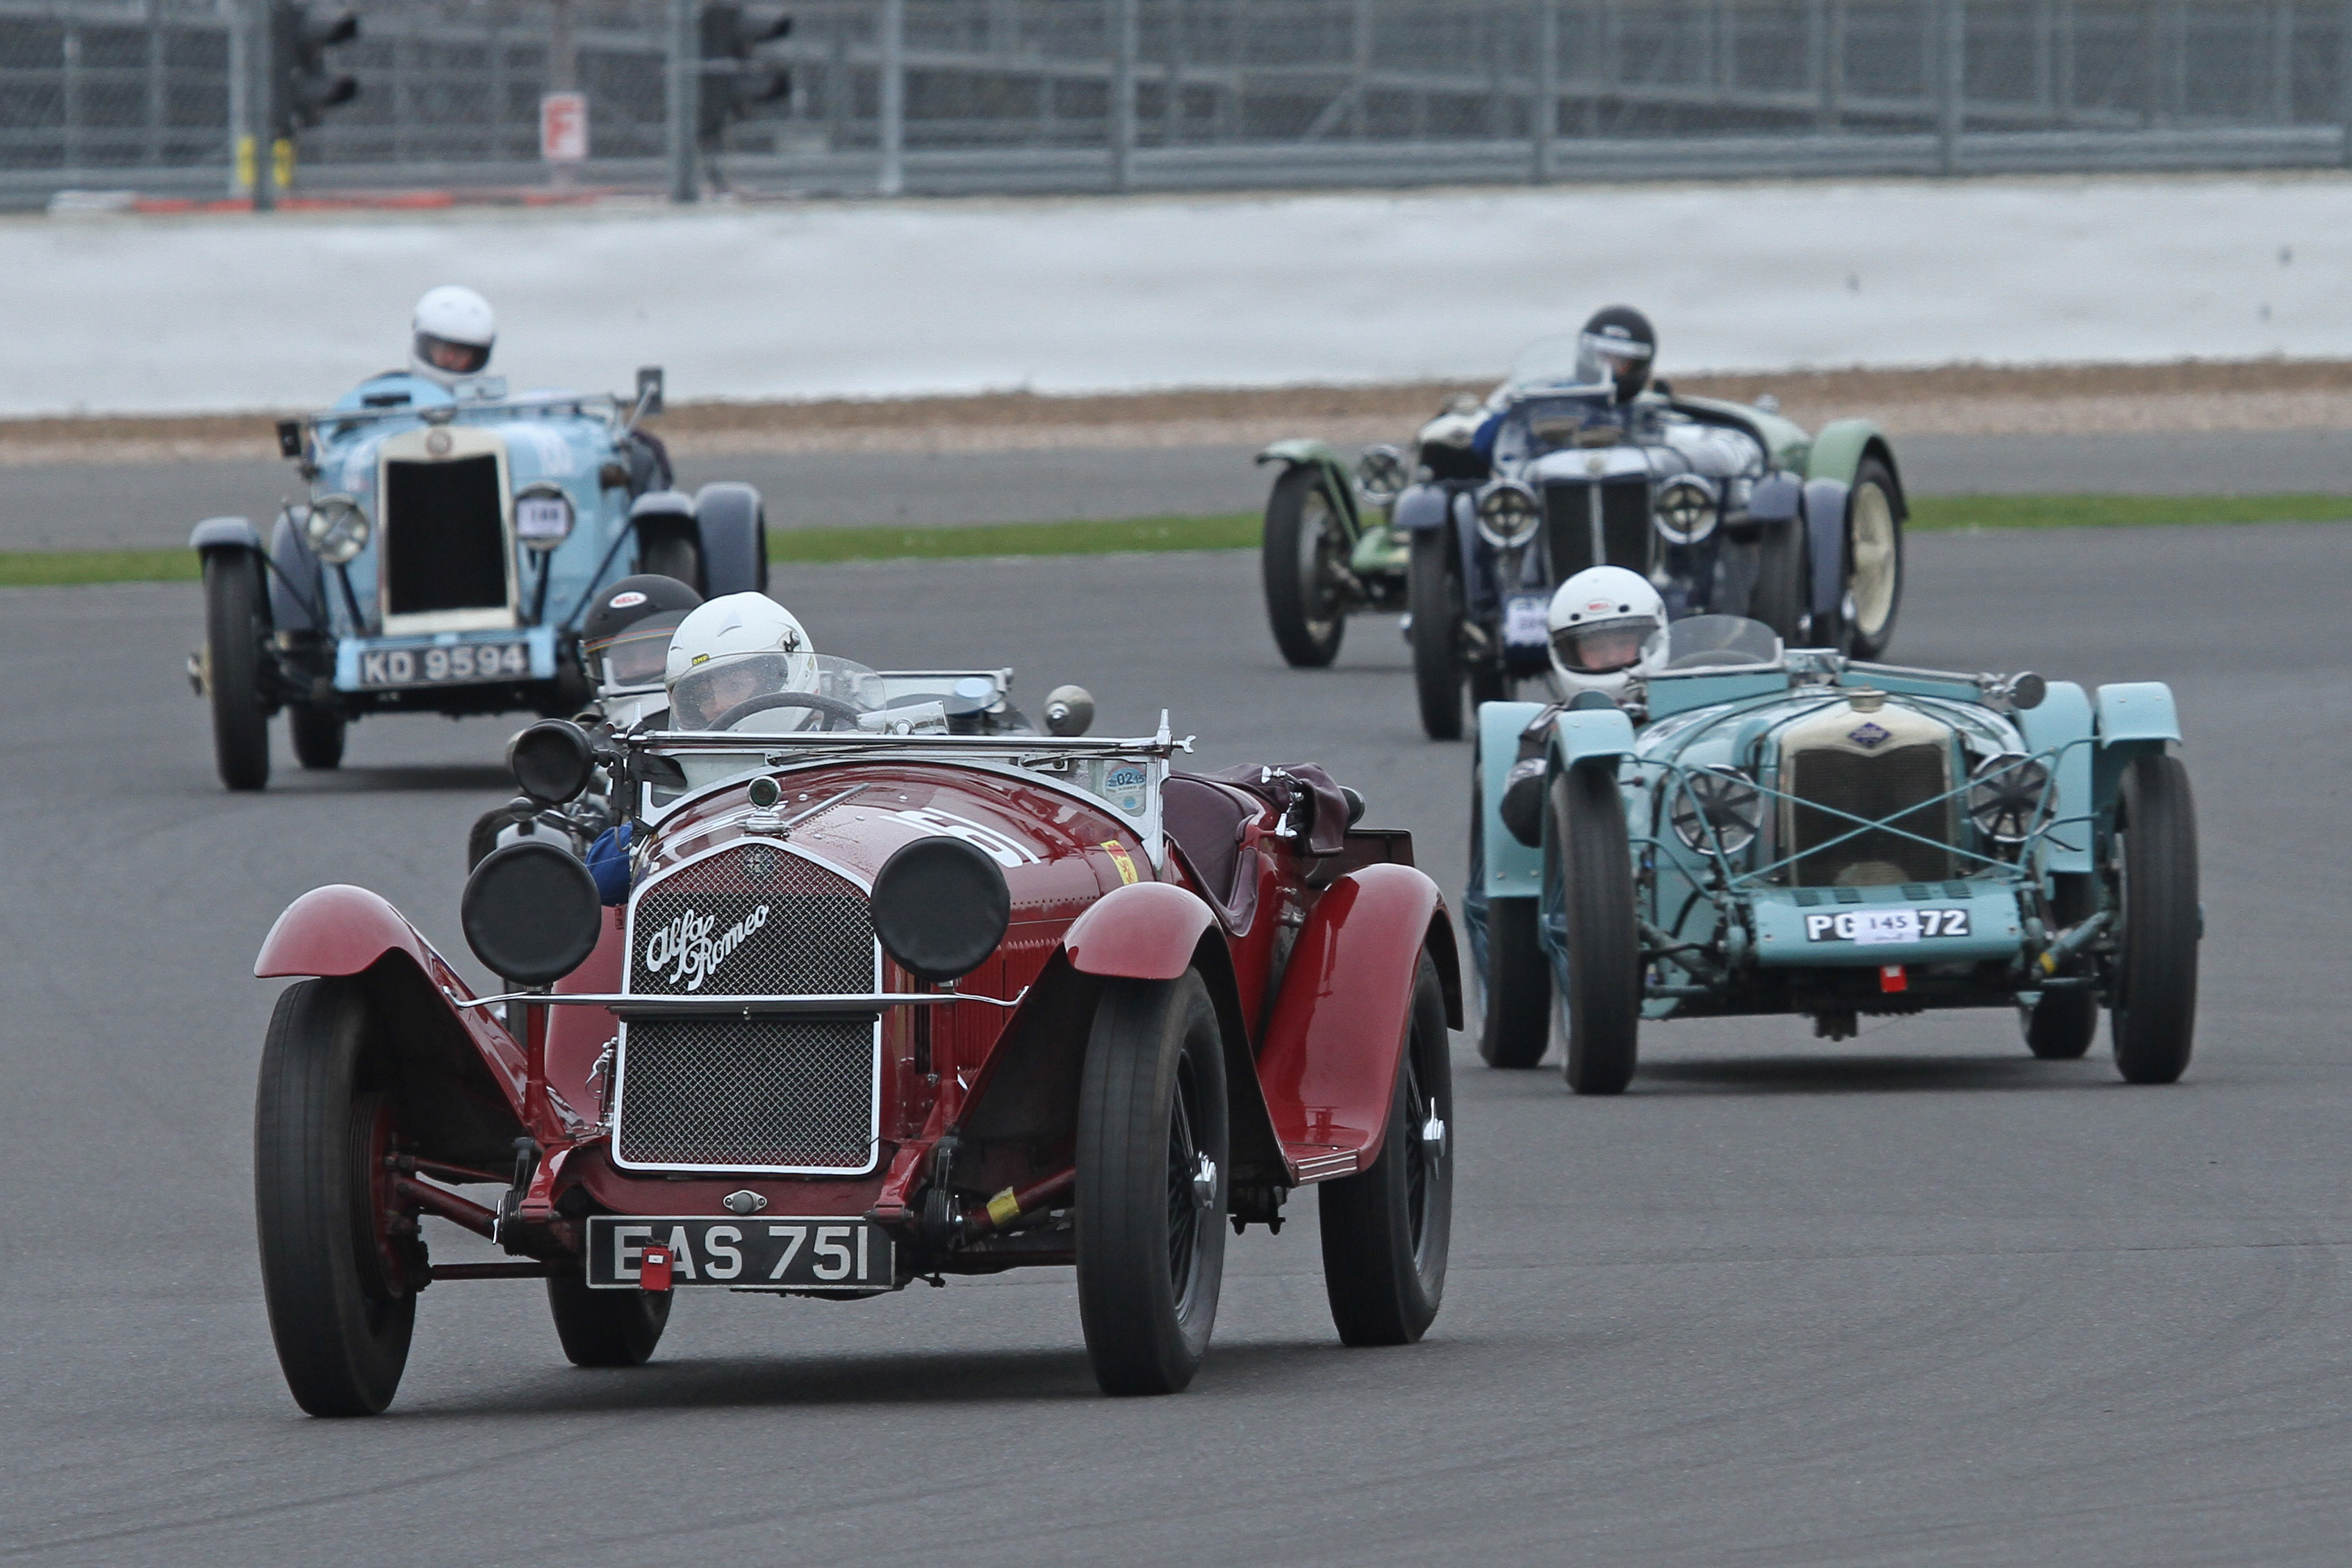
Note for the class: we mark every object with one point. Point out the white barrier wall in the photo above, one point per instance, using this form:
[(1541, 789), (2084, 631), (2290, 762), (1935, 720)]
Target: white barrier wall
[(114, 315)]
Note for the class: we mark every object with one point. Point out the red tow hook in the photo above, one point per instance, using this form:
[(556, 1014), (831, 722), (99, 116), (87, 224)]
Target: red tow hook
[(653, 1272)]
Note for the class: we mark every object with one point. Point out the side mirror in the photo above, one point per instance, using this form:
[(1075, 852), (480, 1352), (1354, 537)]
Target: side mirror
[(551, 761), (649, 389), (1069, 710)]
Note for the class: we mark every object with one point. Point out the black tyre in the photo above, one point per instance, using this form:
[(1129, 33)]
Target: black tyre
[(674, 554), (1602, 1005), (318, 736), (2062, 1025), (1151, 1197), (1304, 545), (2154, 1004), (1387, 1230), (1873, 560), (235, 625), (1434, 595), (1488, 684), (1517, 1029), (337, 1270), (606, 1328), (1781, 596)]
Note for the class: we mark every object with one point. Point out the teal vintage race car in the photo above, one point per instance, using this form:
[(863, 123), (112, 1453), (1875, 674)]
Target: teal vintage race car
[(449, 546), (1777, 830)]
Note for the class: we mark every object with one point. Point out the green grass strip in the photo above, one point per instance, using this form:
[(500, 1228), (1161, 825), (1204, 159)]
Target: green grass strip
[(1934, 514)]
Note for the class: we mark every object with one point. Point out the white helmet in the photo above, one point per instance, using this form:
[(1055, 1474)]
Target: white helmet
[(451, 334), (1600, 619), (732, 650)]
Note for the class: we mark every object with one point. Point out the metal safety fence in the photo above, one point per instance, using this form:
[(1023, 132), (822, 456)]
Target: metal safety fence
[(977, 96)]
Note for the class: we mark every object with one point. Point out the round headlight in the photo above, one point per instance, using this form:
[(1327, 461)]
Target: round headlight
[(531, 912), (1686, 510), (2005, 796), (335, 528), (1717, 805), (1508, 514), (940, 906), (543, 516), (1381, 475)]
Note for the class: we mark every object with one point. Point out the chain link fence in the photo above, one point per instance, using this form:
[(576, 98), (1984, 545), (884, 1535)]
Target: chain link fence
[(972, 96)]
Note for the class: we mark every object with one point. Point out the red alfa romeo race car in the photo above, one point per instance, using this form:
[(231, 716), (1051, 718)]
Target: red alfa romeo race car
[(883, 1003)]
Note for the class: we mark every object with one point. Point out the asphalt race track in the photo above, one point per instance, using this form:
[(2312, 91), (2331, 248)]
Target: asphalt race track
[(82, 505), (1914, 1299)]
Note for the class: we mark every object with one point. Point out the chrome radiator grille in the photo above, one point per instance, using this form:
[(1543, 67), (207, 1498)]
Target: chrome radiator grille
[(796, 1095), (1879, 787)]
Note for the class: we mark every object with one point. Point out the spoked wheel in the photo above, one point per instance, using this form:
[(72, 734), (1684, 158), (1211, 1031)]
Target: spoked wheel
[(1517, 1029), (2154, 1004), (2060, 1026), (235, 625), (1152, 1197), (1434, 594), (340, 1260), (1301, 556), (606, 1328), (1603, 1003), (318, 736), (1387, 1230), (1874, 583)]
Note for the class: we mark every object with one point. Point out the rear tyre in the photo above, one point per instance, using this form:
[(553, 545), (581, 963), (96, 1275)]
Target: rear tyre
[(1386, 1231), (339, 1280), (1874, 564), (606, 1328), (1434, 594), (2062, 1025), (318, 736), (1151, 1196), (234, 628), (2155, 999), (674, 555), (1298, 558), (1779, 599), (1517, 1029), (1603, 1003)]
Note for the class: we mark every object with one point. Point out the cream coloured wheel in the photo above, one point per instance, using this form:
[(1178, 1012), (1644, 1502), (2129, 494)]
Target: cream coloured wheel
[(1874, 543)]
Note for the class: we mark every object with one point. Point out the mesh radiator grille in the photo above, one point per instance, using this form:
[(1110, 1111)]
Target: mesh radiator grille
[(445, 538), (754, 921), (1880, 788)]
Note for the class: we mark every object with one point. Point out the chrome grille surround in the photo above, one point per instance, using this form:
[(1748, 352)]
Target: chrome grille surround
[(1880, 762), (784, 1096)]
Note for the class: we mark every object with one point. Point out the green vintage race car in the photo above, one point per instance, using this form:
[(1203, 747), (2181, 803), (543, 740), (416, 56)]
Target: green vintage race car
[(1773, 830)]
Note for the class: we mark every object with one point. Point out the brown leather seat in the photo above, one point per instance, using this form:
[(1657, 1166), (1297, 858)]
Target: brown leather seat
[(1205, 819)]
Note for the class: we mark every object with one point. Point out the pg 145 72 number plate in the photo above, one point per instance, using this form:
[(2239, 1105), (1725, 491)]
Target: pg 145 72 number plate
[(1886, 927), (757, 1253)]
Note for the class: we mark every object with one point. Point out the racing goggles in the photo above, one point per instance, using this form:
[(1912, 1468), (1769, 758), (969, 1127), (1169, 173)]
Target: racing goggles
[(704, 696), (1602, 647), (449, 354), (633, 656), (1600, 346)]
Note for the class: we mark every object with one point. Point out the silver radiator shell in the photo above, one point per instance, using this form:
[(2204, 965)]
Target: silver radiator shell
[(776, 1096)]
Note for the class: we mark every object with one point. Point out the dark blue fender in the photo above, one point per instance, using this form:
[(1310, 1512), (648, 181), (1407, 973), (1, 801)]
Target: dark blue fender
[(1825, 525), (1420, 508), (734, 529)]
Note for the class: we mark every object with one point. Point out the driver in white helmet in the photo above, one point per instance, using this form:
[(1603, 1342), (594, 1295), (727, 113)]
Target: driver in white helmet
[(1600, 619), (733, 651), (451, 335)]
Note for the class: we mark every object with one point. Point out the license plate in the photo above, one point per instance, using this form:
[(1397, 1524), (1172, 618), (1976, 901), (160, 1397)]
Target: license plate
[(452, 665), (758, 1253), (1886, 927), (1526, 621)]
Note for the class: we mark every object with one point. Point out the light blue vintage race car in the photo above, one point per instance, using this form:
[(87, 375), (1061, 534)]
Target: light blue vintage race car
[(447, 552), (1773, 830)]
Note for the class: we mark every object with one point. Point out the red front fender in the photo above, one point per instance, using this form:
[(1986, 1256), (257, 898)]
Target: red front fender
[(1331, 1058), (340, 930), (1144, 931)]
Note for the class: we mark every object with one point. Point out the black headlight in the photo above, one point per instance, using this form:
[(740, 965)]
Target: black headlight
[(940, 907), (551, 761), (531, 912)]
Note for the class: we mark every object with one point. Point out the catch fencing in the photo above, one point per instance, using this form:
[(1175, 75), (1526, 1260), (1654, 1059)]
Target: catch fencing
[(1008, 96)]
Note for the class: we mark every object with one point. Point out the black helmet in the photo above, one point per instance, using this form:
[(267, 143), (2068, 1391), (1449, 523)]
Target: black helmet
[(1620, 336), (629, 629)]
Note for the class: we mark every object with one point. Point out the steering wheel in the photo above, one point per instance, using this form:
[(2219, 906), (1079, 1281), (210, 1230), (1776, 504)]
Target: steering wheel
[(832, 707)]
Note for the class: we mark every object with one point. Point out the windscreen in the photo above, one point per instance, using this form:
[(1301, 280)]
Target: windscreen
[(775, 694), (1714, 642)]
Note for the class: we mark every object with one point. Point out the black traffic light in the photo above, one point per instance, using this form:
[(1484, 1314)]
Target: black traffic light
[(736, 80), (303, 87)]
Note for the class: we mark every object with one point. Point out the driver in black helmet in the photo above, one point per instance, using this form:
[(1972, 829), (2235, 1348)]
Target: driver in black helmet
[(1616, 345)]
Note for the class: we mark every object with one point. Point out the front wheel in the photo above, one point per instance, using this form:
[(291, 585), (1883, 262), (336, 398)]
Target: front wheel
[(1516, 1028), (674, 555), (1151, 1197), (318, 736), (1874, 545), (1603, 1000), (2155, 862), (1299, 561), (1434, 594), (1387, 1230), (340, 1262), (606, 1328), (1781, 595), (2061, 1025), (234, 628)]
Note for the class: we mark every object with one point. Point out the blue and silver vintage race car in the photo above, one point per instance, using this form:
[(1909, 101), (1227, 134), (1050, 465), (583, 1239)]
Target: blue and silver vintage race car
[(1793, 832), (449, 547)]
